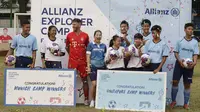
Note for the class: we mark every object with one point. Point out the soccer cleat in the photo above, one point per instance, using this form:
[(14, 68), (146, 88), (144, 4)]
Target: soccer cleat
[(173, 104), (92, 103), (86, 102), (186, 107)]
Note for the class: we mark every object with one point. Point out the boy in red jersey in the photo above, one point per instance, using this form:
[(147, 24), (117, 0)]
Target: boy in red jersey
[(76, 44)]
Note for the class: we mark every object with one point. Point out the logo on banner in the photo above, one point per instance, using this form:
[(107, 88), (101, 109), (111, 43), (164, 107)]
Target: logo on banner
[(154, 11), (175, 12)]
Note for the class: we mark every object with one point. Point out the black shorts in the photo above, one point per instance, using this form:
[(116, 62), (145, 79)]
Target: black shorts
[(152, 67), (135, 69), (126, 60), (93, 74), (121, 69), (23, 62), (53, 64), (186, 73)]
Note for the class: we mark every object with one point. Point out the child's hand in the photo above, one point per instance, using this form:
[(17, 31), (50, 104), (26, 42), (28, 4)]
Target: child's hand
[(156, 71), (128, 54), (191, 65)]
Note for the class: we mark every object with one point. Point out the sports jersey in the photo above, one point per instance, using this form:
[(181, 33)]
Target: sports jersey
[(135, 60), (47, 44), (5, 39), (186, 48), (97, 54), (148, 37), (119, 63), (24, 46), (156, 50), (77, 46)]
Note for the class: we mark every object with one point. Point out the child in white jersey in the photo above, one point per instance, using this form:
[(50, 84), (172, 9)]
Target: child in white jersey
[(115, 54), (135, 53), (52, 58)]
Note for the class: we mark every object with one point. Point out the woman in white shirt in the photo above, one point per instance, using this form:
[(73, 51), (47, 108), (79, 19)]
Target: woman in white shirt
[(52, 49), (135, 52), (115, 54)]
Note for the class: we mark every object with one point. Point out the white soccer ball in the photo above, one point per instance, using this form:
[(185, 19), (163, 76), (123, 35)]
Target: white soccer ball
[(130, 49), (145, 58), (186, 62), (54, 49), (10, 60), (114, 54)]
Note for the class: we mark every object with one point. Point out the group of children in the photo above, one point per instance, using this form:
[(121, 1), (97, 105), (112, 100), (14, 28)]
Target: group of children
[(147, 43), (88, 57)]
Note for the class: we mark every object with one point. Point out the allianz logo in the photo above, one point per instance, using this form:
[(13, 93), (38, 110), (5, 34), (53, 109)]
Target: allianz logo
[(154, 11), (155, 79), (61, 75)]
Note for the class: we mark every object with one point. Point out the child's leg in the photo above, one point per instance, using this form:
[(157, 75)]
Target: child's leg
[(187, 76), (176, 78)]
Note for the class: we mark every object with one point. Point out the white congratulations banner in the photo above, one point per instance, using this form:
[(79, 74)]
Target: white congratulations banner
[(106, 15), (39, 87), (133, 95)]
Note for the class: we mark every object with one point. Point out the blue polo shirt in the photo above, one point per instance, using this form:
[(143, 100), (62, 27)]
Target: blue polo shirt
[(97, 54), (24, 46)]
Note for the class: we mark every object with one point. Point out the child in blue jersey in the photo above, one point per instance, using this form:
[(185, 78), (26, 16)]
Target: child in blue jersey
[(52, 59), (146, 24), (126, 39), (95, 61), (157, 49), (25, 46), (187, 47)]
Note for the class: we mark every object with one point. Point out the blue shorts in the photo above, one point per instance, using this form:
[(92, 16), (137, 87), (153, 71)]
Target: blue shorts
[(186, 73), (23, 62), (53, 64), (152, 67), (93, 74)]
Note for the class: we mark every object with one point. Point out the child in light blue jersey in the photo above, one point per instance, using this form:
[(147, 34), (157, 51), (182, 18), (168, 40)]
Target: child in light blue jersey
[(157, 49), (187, 47), (146, 24), (95, 61), (25, 45), (126, 39)]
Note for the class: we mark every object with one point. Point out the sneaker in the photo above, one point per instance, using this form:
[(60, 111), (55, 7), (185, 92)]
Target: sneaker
[(92, 103), (186, 107), (86, 102), (173, 104)]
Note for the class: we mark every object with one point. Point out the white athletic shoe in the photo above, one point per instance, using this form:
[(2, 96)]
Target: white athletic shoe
[(92, 103), (86, 102)]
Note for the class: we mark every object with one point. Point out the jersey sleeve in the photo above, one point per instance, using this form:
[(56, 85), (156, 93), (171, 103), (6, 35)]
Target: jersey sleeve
[(43, 47), (196, 49), (67, 40), (107, 57), (14, 42), (89, 49), (105, 49), (34, 48), (87, 41), (165, 50), (176, 49)]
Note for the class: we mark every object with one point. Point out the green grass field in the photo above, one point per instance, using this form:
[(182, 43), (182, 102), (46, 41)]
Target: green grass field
[(194, 102)]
